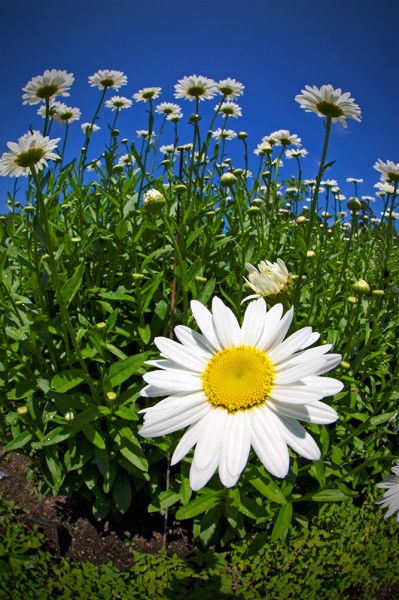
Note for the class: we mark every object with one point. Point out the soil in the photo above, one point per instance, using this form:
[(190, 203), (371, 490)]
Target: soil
[(74, 533)]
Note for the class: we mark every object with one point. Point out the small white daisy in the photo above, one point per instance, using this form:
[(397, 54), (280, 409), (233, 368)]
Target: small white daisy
[(106, 78), (230, 109), (237, 387), (167, 149), (269, 279), (282, 137), (263, 149), (126, 160), (384, 187), (86, 127), (144, 133), (299, 153), (390, 498), (49, 85), (230, 88), (118, 102), (195, 87), (389, 170), (32, 150), (223, 134), (327, 102), (66, 114), (354, 180), (147, 93), (168, 109), (54, 107)]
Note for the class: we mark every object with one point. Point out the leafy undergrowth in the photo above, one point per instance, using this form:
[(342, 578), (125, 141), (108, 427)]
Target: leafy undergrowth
[(348, 552)]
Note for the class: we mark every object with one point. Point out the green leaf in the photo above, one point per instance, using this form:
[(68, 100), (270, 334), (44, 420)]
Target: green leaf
[(19, 442), (327, 495), (123, 369), (207, 292), (282, 522), (94, 436), (189, 275), (145, 333), (383, 418), (198, 506), (270, 490), (165, 500), (66, 380), (121, 492), (59, 434), (121, 230), (73, 284)]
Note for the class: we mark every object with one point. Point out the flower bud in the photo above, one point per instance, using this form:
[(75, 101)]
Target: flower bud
[(153, 200), (361, 287), (354, 204), (228, 180)]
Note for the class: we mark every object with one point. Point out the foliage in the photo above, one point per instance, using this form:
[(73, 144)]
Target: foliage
[(90, 275)]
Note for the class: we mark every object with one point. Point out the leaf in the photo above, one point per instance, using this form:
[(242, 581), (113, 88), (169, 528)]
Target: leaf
[(327, 495), (383, 418), (59, 434), (121, 492), (207, 292), (71, 286), (19, 442), (189, 275), (270, 490), (94, 436), (282, 522), (66, 380), (198, 506), (123, 369), (165, 500)]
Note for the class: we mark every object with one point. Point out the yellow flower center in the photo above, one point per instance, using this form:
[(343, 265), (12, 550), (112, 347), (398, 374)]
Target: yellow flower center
[(196, 91), (238, 378), (107, 82), (30, 157), (329, 109), (46, 91)]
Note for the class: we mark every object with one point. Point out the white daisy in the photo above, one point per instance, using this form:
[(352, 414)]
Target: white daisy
[(390, 498), (327, 102), (49, 85), (385, 188), (195, 87), (354, 180), (237, 387), (230, 88), (168, 109), (223, 134), (269, 279), (298, 153), (330, 183), (147, 93), (167, 149), (66, 114), (230, 109), (54, 107), (144, 133), (32, 149), (283, 137), (106, 78), (126, 160), (87, 126), (263, 149), (389, 170), (118, 102)]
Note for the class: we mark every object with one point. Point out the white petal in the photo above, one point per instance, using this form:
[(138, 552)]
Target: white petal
[(309, 355), (296, 373), (268, 443), (236, 444), (281, 332), (189, 439), (293, 343), (313, 339), (175, 421), (327, 385), (177, 401), (181, 354), (204, 320), (298, 438), (318, 412), (209, 442), (225, 324), (296, 394), (252, 326), (200, 477), (194, 340), (271, 324), (172, 381)]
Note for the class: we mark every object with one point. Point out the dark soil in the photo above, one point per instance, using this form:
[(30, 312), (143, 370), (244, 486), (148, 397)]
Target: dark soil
[(74, 533)]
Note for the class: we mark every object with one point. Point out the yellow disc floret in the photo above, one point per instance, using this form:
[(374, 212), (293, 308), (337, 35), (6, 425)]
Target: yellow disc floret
[(238, 378)]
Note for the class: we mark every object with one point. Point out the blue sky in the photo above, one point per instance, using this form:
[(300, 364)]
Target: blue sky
[(273, 48)]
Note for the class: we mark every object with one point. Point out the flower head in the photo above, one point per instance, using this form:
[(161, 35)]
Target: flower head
[(230, 109), (32, 150), (54, 107), (298, 153), (230, 88), (390, 498), (49, 85), (169, 109), (66, 114), (389, 170), (269, 279), (118, 102), (327, 102), (126, 160), (106, 78), (86, 127), (223, 134), (195, 87), (146, 94), (153, 200), (237, 387), (283, 137)]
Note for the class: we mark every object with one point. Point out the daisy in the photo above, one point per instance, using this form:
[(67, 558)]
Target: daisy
[(390, 498), (168, 109), (167, 149), (146, 94), (283, 137), (389, 170), (230, 88), (368, 198), (229, 109), (237, 387), (327, 102), (354, 180), (54, 107), (144, 133), (118, 102), (66, 114), (126, 160), (385, 188), (223, 134), (195, 87), (299, 153), (95, 164), (263, 149), (32, 150), (86, 127), (50, 84), (269, 279), (105, 78), (330, 183)]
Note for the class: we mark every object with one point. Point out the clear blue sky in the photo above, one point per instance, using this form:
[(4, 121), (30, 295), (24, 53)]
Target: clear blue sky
[(273, 48)]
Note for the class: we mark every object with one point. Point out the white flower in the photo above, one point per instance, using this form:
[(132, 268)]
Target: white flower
[(385, 188), (300, 152), (168, 108), (263, 149), (95, 164), (105, 78), (87, 126), (237, 387), (54, 107), (368, 198), (354, 180), (230, 88), (195, 87), (223, 134), (167, 149), (327, 102), (32, 150), (284, 137), (330, 183), (146, 94), (230, 109), (269, 279), (126, 160), (389, 170), (118, 102), (66, 114), (50, 84), (144, 133), (390, 498)]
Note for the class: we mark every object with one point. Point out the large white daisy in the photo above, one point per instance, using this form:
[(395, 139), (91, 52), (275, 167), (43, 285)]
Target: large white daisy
[(108, 78), (237, 387), (49, 85), (389, 170), (32, 149), (327, 102), (390, 498), (195, 87)]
